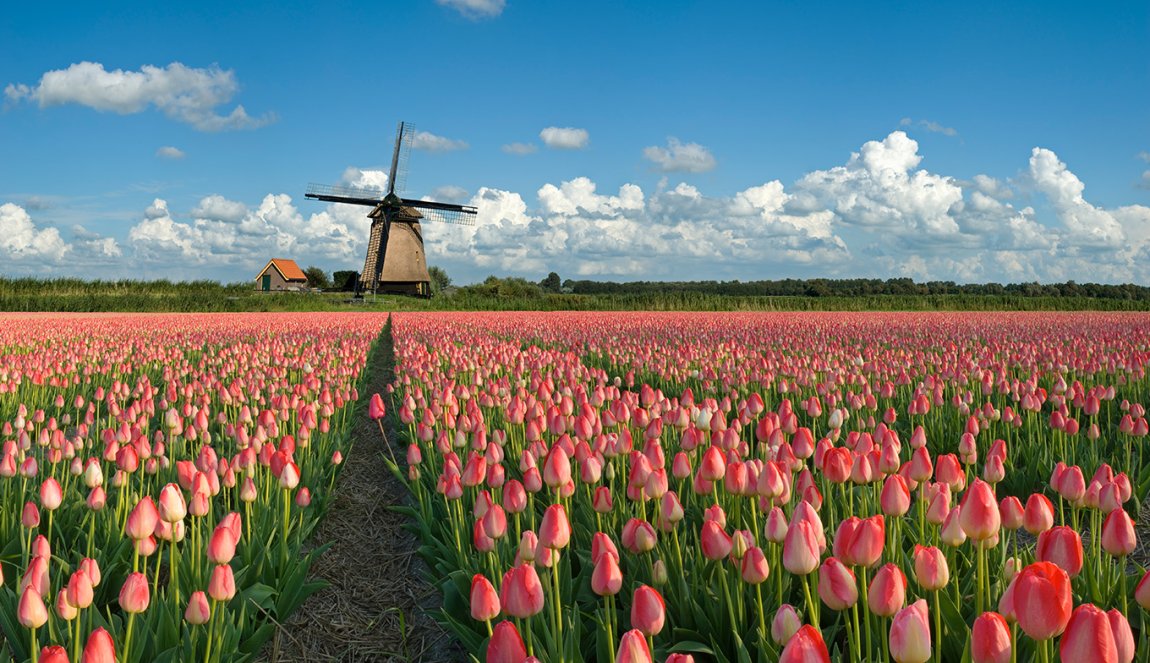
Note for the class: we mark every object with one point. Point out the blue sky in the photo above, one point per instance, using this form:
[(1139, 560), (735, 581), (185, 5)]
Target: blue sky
[(710, 140)]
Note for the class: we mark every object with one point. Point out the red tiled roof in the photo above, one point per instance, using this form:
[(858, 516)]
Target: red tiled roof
[(287, 269)]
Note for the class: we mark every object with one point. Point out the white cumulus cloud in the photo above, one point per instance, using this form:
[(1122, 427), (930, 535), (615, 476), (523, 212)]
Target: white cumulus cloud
[(185, 94), (565, 138), (169, 152), (685, 157), (424, 140), (21, 239)]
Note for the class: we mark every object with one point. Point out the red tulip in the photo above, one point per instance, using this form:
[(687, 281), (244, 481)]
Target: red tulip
[(222, 583), (1142, 592), (1012, 512), (484, 599), (910, 634), (859, 542), (805, 646), (838, 588), (31, 611), (1041, 600), (980, 518), (1063, 546), (134, 594), (895, 498), (1118, 537), (53, 654), (1039, 514), (607, 577), (990, 639), (222, 546), (716, 543), (80, 592), (522, 592), (754, 566), (648, 610), (51, 495), (99, 648), (1088, 637), (1123, 636), (375, 408), (555, 529), (887, 593), (506, 645)]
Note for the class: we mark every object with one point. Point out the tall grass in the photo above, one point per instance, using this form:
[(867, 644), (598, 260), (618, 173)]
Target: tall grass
[(77, 295)]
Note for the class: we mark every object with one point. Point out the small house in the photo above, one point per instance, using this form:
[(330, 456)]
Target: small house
[(281, 274)]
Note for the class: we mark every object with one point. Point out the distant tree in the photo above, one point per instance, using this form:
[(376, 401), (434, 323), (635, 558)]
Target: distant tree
[(316, 277), (439, 279), (344, 280), (552, 283)]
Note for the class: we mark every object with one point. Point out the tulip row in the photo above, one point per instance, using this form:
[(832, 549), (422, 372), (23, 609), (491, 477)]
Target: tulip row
[(641, 487), (157, 478)]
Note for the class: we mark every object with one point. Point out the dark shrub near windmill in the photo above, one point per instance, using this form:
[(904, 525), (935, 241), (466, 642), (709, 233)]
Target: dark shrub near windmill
[(395, 231), (281, 274)]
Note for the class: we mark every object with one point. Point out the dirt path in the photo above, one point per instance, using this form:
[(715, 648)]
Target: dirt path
[(378, 607)]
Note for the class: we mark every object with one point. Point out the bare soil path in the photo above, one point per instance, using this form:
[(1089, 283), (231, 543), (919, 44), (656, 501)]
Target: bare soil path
[(379, 606)]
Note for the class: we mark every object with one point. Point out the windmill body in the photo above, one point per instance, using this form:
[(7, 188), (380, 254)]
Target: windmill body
[(395, 261)]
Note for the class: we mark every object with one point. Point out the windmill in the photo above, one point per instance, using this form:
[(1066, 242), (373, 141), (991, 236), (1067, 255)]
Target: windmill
[(395, 231)]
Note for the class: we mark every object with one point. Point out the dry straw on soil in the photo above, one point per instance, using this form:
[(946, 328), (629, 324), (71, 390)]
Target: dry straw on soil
[(378, 606)]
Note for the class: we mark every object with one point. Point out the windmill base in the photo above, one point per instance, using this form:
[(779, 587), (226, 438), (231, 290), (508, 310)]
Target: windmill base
[(410, 288)]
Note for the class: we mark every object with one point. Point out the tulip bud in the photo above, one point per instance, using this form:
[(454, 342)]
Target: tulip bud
[(484, 599), (1042, 600), (910, 634), (990, 639), (887, 593), (785, 624), (806, 645), (930, 568), (506, 645), (135, 594), (647, 610), (198, 612), (99, 648)]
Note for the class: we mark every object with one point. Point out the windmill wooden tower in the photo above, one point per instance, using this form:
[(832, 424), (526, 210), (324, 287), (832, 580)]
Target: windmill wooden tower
[(395, 225)]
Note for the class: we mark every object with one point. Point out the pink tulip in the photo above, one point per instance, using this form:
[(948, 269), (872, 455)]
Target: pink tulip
[(521, 594), (785, 624), (1063, 546), (647, 610), (198, 611), (99, 648), (633, 648), (484, 599), (887, 593), (838, 588), (910, 634)]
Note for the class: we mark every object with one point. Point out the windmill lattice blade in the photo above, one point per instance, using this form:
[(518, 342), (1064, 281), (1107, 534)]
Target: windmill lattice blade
[(404, 156), (463, 216), (340, 191)]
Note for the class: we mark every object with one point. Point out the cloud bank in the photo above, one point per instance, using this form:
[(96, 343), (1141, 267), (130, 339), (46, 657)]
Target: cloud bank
[(184, 94), (879, 214)]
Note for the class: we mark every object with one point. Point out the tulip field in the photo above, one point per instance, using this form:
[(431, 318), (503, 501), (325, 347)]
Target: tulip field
[(160, 474), (634, 487)]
